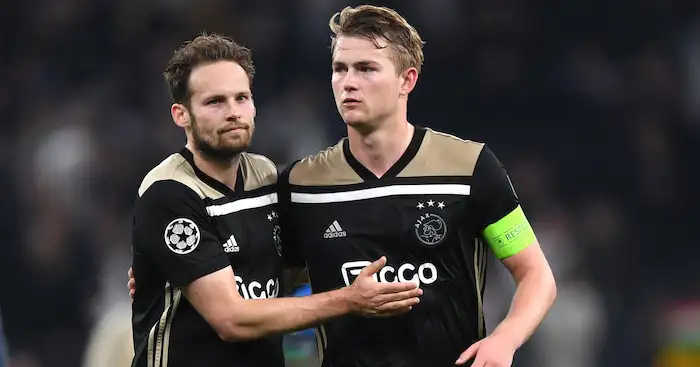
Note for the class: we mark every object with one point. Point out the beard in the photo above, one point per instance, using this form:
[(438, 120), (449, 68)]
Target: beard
[(215, 147)]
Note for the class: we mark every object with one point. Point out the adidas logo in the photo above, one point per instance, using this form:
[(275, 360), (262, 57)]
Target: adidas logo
[(231, 245), (334, 231)]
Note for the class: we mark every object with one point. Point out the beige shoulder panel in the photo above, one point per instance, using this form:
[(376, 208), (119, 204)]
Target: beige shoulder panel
[(443, 154), (326, 168), (176, 168), (258, 171)]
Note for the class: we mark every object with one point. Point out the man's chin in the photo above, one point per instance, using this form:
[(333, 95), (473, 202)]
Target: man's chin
[(225, 153), (354, 120), (236, 149), (358, 123)]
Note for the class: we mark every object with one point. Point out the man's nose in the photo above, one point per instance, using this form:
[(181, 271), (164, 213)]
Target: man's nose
[(350, 81), (233, 112)]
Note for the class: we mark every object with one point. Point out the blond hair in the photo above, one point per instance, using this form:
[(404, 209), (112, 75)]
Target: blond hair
[(374, 23)]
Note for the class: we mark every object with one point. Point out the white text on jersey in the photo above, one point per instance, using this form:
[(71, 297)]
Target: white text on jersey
[(255, 290), (424, 274)]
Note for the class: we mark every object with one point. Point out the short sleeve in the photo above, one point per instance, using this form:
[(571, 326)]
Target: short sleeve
[(291, 248), (172, 228), (499, 217)]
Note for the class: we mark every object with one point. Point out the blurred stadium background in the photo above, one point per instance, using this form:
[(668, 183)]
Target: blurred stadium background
[(593, 105)]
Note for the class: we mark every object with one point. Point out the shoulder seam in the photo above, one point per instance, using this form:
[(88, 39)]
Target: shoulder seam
[(170, 179), (322, 151), (454, 137)]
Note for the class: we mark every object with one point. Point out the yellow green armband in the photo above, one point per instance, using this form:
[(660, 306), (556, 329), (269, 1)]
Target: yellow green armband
[(510, 235)]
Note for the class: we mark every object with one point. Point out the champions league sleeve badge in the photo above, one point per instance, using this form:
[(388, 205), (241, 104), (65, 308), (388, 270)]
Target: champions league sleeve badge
[(182, 236)]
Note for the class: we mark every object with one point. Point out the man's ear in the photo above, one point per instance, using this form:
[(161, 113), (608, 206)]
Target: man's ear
[(409, 78), (180, 115)]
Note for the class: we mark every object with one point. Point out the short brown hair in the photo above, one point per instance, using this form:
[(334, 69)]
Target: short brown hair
[(205, 49), (374, 22)]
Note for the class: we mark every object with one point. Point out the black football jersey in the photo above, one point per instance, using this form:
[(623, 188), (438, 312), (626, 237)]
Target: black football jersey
[(426, 214), (187, 225)]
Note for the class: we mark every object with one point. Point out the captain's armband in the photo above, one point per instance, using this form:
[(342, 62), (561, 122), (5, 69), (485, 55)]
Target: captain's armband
[(510, 235)]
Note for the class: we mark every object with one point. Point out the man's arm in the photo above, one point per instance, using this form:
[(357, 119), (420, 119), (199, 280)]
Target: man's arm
[(234, 318), (513, 241), (172, 228), (534, 295)]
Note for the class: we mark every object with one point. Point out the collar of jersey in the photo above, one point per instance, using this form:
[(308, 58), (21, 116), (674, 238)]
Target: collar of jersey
[(214, 183), (404, 160)]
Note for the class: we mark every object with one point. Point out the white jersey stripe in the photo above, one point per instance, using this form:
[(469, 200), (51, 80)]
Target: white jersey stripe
[(242, 204), (378, 192)]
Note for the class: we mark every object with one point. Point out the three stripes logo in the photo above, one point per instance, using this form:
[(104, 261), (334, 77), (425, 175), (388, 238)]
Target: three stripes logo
[(231, 245), (334, 231)]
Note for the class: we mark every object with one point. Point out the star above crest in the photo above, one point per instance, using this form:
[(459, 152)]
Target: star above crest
[(431, 203), (272, 215)]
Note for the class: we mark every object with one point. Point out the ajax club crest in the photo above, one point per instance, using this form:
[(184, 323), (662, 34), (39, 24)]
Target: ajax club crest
[(430, 227), (277, 238)]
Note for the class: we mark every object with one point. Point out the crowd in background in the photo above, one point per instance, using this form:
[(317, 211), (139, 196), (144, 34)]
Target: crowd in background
[(593, 105)]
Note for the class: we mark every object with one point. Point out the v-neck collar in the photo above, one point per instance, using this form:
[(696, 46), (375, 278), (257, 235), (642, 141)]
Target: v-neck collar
[(214, 183), (401, 163)]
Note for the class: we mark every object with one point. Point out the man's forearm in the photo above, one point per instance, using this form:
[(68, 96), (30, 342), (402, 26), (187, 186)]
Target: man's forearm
[(215, 296), (533, 298), (252, 319)]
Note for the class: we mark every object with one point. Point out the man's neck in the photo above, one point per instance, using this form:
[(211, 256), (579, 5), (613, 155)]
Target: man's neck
[(380, 149), (225, 172)]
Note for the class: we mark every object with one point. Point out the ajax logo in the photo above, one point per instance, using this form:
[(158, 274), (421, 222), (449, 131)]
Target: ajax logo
[(430, 228)]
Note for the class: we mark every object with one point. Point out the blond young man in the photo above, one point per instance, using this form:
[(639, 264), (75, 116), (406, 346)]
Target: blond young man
[(432, 203)]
